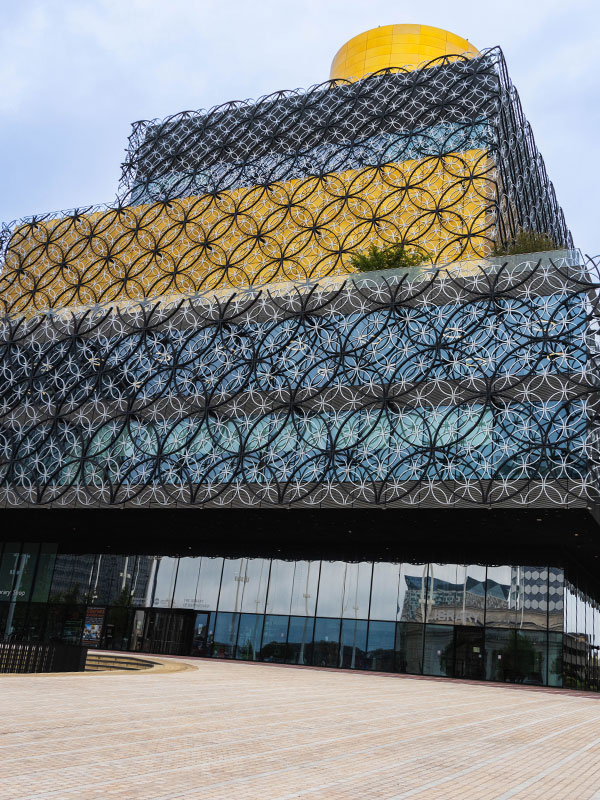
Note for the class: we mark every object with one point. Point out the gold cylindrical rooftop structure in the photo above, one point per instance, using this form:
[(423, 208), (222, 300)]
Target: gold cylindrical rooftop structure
[(405, 46)]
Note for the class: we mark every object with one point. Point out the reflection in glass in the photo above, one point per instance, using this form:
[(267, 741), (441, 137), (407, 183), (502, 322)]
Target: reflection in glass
[(202, 643), (15, 626), (531, 592), (412, 593), (438, 654), (209, 583), (384, 594), (357, 589), (353, 644), (470, 595), (409, 648), (326, 642), (187, 582), (555, 667), (232, 584), (25, 572), (8, 569), (514, 656), (500, 608), (443, 591), (556, 590), (71, 578), (531, 657), (499, 645), (249, 636), (225, 634), (255, 585), (304, 592), (111, 580), (140, 582), (331, 588), (274, 638), (281, 583), (163, 583), (43, 577), (469, 660), (300, 639), (381, 646)]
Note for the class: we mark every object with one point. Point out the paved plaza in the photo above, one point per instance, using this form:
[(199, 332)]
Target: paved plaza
[(234, 730)]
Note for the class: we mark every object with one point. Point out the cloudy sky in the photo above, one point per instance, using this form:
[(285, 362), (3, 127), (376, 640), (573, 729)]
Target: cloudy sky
[(74, 74)]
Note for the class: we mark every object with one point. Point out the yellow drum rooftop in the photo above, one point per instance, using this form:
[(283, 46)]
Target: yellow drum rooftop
[(396, 46)]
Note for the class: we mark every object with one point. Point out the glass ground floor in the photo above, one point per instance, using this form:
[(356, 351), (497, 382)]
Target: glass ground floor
[(459, 651), (518, 623)]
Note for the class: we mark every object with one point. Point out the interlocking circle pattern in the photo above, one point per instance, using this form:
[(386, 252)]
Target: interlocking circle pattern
[(201, 341)]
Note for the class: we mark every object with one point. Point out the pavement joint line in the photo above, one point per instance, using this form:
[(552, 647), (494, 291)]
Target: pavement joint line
[(486, 762), (557, 765), (364, 731), (244, 730), (237, 759)]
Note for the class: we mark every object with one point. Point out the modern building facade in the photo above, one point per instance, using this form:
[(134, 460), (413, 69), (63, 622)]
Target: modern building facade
[(201, 357)]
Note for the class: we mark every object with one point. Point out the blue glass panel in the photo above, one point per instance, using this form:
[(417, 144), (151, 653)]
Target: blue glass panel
[(225, 636), (353, 644), (380, 648), (326, 642)]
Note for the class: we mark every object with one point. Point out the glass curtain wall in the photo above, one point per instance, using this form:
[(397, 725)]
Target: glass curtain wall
[(507, 623)]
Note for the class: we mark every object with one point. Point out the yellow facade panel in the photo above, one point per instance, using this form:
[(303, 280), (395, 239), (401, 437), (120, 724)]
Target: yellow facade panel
[(431, 30), (409, 45), (385, 33), (402, 29), (433, 41), (378, 52), (355, 50), (250, 236), (403, 39), (404, 58), (429, 53)]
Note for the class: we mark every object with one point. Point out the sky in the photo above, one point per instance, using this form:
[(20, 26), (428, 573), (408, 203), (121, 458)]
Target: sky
[(74, 75)]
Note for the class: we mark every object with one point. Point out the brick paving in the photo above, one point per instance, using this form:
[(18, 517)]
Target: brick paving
[(234, 730)]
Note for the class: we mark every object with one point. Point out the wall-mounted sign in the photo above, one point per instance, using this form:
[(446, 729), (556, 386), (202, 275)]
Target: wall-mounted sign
[(92, 627)]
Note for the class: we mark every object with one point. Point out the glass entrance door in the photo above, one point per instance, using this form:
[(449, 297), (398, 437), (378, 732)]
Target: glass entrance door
[(469, 661), (201, 646), (168, 632)]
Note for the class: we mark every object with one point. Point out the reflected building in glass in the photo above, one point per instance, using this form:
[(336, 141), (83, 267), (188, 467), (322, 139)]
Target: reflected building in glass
[(231, 442), (468, 621)]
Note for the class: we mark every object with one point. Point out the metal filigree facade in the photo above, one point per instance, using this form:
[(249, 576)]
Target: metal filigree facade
[(286, 188), (446, 388), (201, 342)]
